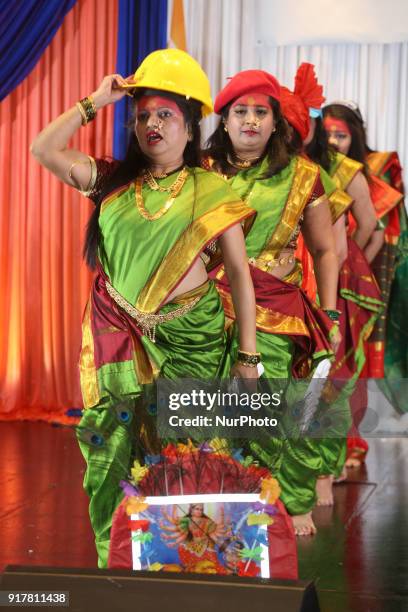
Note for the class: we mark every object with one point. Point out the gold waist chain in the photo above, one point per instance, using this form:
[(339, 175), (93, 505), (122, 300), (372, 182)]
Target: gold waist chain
[(267, 265), (149, 321)]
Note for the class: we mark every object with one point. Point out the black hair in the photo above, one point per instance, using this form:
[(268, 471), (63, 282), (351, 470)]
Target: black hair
[(278, 148), (318, 148), (135, 162), (295, 140), (358, 148)]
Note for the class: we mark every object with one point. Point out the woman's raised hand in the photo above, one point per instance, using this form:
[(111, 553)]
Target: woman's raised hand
[(110, 90)]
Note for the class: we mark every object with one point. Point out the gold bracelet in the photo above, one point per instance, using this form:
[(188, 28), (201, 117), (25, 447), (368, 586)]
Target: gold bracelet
[(248, 359), (247, 364), (82, 113), (87, 108), (92, 103)]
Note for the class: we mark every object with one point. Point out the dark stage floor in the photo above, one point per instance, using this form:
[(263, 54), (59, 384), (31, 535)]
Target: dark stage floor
[(359, 557)]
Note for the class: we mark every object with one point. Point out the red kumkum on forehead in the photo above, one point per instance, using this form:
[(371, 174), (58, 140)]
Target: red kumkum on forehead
[(252, 99), (152, 103), (336, 125)]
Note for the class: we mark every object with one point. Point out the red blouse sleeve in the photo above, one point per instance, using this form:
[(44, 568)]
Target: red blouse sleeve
[(102, 170)]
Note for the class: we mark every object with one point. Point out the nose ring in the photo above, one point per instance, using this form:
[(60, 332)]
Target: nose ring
[(157, 126), (255, 122)]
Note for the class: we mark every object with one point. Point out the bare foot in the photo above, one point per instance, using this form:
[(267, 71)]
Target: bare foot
[(342, 477), (303, 524), (352, 462), (324, 490)]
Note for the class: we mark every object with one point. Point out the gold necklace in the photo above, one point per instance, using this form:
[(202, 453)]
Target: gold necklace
[(242, 163), (159, 175), (154, 185), (174, 189)]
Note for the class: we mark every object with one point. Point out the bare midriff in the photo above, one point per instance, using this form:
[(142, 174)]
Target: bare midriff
[(196, 276)]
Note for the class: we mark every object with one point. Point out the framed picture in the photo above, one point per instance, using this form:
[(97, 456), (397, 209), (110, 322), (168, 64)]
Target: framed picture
[(203, 533)]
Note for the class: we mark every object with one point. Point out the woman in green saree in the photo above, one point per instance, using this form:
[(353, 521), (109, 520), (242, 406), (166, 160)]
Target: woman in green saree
[(152, 311), (250, 148)]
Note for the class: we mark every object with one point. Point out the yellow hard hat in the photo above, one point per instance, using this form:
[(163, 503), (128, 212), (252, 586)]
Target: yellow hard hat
[(176, 71)]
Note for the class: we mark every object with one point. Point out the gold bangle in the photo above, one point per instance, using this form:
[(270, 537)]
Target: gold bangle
[(87, 108), (247, 364), (92, 103), (248, 359), (82, 113), (90, 108), (94, 171)]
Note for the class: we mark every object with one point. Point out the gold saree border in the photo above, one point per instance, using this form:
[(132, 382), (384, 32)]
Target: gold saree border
[(87, 369), (305, 175), (177, 263), (339, 203), (145, 370), (346, 171)]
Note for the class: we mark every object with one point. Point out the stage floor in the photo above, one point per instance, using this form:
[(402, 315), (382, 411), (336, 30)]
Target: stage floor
[(359, 558)]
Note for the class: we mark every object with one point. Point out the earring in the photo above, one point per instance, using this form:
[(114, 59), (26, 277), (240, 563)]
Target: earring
[(274, 130), (225, 128)]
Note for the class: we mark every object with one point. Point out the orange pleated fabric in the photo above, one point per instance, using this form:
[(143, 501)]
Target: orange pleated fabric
[(44, 283)]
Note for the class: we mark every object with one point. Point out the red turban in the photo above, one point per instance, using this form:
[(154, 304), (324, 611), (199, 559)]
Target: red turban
[(247, 82), (307, 94)]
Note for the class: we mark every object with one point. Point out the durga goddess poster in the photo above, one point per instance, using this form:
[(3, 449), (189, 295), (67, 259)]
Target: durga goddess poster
[(205, 538)]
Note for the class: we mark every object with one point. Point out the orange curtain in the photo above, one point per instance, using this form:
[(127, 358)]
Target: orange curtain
[(44, 284), (177, 28)]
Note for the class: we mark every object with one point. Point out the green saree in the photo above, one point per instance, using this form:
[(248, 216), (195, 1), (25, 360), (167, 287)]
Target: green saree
[(280, 202), (141, 263)]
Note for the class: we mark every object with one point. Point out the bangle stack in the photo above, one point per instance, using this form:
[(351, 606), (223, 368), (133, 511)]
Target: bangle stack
[(334, 315), (87, 108), (248, 359)]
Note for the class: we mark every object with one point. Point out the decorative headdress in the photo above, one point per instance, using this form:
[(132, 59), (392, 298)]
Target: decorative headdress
[(307, 95), (247, 82)]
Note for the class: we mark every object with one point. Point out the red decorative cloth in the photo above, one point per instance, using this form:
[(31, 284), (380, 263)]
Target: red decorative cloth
[(307, 94), (295, 112), (245, 82)]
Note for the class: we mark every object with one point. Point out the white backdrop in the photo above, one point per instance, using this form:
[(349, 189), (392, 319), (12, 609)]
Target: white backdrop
[(226, 36), (311, 22), (221, 35)]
